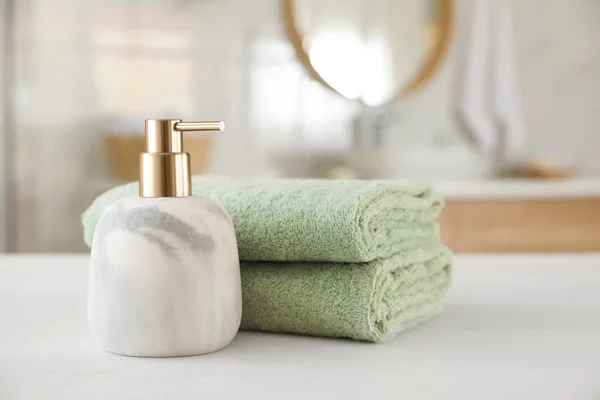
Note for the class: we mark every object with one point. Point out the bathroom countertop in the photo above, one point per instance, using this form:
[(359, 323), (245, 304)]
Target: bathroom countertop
[(514, 327), (519, 189)]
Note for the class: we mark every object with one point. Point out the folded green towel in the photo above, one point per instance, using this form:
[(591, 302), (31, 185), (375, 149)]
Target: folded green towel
[(312, 220), (368, 301)]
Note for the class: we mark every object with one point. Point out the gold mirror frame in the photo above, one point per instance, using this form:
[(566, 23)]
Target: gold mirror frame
[(430, 65)]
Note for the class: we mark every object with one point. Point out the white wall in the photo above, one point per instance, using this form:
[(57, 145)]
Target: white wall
[(559, 80), (558, 42), (3, 144), (229, 59)]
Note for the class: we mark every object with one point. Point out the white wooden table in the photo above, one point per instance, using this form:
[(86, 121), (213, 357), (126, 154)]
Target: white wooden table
[(514, 327)]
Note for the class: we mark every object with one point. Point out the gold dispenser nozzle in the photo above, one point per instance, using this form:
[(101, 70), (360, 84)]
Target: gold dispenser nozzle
[(164, 167)]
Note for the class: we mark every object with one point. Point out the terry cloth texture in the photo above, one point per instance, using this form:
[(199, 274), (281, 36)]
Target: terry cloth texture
[(371, 301), (312, 220)]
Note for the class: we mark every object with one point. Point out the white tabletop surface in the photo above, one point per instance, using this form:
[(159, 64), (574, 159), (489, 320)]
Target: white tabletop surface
[(514, 327)]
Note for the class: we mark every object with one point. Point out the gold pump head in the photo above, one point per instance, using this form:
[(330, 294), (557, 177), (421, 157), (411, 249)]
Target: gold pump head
[(164, 167)]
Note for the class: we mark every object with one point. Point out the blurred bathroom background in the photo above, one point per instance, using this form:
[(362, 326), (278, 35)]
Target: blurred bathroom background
[(470, 94)]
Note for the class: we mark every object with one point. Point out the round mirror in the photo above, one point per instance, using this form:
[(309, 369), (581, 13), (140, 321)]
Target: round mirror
[(374, 51)]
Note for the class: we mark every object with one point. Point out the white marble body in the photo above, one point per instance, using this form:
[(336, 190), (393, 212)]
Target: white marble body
[(164, 278)]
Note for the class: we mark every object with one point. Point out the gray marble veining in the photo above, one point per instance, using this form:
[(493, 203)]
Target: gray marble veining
[(165, 278)]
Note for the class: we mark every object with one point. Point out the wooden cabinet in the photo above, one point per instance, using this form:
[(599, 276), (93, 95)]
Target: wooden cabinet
[(570, 224)]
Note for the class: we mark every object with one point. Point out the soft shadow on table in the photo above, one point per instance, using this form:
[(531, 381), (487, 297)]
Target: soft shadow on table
[(283, 341)]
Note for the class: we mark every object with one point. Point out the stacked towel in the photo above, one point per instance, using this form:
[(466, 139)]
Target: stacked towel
[(357, 259)]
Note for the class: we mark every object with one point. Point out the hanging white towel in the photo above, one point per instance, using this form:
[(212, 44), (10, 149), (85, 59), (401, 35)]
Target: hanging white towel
[(474, 75), (505, 95), (488, 107)]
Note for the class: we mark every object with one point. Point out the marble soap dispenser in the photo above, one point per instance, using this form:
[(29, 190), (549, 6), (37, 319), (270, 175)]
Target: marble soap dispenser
[(165, 273)]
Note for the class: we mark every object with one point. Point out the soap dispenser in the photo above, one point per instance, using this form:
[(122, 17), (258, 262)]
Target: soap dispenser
[(165, 274)]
